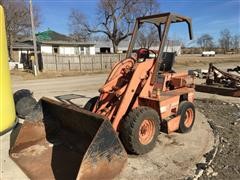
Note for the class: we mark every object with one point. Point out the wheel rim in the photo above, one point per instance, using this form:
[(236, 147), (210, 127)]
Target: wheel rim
[(189, 117), (146, 131)]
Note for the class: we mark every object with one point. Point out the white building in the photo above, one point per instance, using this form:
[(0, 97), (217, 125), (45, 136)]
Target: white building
[(106, 47), (51, 42), (67, 48)]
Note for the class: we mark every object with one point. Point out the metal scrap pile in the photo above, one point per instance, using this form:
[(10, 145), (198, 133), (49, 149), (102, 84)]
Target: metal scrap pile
[(220, 82), (217, 76), (236, 69), (199, 73)]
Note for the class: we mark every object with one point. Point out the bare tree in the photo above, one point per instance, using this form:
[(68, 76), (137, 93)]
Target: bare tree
[(205, 42), (225, 40), (77, 26), (18, 22), (116, 18), (236, 43), (147, 37)]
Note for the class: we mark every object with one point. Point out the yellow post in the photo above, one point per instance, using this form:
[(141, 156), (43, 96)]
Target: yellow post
[(7, 109)]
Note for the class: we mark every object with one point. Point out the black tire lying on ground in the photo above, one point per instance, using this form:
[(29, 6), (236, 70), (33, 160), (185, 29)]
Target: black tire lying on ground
[(36, 114), (20, 94), (25, 103), (25, 106)]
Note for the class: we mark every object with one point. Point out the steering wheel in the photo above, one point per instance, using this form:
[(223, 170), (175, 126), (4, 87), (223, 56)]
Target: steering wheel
[(144, 53)]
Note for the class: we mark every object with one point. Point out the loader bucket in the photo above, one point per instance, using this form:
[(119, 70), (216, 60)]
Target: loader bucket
[(70, 143)]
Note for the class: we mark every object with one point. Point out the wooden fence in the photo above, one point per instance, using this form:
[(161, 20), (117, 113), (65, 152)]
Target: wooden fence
[(83, 63)]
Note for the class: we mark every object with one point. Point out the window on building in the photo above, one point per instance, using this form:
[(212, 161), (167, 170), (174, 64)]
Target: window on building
[(82, 50), (55, 49)]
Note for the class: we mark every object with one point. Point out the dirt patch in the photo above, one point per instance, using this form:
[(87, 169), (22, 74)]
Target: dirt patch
[(224, 118)]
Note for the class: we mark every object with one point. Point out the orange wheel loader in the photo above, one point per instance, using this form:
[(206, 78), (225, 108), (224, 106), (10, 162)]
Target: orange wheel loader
[(141, 96)]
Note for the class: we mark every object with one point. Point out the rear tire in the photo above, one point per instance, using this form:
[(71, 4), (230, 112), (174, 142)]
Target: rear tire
[(91, 103), (187, 112), (139, 130)]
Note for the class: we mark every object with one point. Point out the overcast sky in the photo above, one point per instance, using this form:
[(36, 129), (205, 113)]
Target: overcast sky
[(208, 16)]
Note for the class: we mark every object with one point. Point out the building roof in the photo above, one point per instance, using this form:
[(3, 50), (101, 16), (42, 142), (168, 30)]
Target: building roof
[(51, 35), (74, 43), (23, 45)]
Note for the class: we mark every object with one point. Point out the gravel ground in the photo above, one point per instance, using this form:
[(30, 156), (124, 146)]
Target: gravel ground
[(224, 118)]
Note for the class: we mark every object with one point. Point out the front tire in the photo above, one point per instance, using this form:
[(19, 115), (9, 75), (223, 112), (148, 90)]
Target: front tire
[(139, 130)]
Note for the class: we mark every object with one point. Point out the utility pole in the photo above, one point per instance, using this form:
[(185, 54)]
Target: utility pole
[(35, 61)]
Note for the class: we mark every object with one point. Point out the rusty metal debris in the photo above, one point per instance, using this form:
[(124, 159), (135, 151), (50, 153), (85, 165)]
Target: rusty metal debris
[(220, 82), (199, 73), (236, 69)]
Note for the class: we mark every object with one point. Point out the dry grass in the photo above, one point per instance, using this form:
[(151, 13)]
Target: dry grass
[(187, 60)]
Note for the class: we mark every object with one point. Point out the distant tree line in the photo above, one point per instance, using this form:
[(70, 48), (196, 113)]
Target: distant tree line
[(226, 42)]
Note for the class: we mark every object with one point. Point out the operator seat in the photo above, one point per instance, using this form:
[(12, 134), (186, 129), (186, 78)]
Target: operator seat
[(168, 59)]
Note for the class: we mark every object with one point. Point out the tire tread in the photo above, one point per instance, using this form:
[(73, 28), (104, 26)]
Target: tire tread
[(128, 128)]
